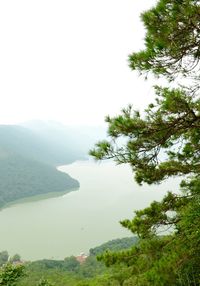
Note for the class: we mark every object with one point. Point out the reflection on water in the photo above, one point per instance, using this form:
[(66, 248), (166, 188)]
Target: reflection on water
[(68, 224)]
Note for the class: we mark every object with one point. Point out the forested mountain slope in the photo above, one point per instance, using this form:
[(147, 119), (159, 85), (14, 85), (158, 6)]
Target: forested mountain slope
[(28, 164), (70, 271), (22, 177)]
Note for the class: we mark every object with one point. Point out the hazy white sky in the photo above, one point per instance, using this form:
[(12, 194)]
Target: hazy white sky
[(66, 60)]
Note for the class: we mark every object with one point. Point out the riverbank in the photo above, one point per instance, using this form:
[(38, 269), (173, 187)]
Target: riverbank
[(66, 225)]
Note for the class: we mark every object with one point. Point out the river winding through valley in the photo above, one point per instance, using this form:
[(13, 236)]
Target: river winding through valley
[(57, 227)]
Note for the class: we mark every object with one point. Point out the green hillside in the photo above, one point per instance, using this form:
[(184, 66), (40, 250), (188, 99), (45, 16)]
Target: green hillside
[(27, 165), (114, 245), (22, 177), (69, 271)]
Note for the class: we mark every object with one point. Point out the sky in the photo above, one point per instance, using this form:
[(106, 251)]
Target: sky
[(68, 60)]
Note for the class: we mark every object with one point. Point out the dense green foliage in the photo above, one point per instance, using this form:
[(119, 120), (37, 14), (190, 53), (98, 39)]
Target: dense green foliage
[(60, 272), (172, 40), (114, 245), (21, 177), (10, 274), (65, 272), (163, 142), (45, 282)]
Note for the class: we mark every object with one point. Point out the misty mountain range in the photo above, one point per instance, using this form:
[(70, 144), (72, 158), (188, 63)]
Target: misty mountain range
[(30, 152)]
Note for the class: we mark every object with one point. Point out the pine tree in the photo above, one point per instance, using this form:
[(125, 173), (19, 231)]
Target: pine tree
[(163, 142)]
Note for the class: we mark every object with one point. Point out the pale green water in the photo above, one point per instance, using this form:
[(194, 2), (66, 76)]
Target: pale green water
[(69, 224)]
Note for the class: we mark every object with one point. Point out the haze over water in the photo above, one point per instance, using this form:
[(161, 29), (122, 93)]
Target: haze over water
[(69, 224)]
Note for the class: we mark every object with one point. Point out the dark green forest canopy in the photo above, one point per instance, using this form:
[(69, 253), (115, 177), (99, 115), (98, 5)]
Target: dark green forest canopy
[(114, 245), (23, 177), (162, 142), (69, 271)]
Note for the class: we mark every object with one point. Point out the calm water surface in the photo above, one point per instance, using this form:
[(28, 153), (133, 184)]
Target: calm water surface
[(69, 224)]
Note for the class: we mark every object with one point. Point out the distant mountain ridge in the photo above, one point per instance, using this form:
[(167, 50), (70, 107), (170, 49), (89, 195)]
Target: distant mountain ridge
[(68, 143), (27, 143), (29, 156)]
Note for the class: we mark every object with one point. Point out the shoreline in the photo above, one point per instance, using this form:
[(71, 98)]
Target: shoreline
[(44, 196), (37, 198)]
